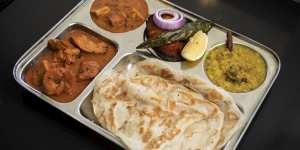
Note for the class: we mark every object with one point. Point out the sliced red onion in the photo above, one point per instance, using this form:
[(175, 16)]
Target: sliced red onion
[(176, 22)]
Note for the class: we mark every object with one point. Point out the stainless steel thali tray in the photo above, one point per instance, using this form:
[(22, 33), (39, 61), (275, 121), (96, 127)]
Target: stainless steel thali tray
[(80, 108)]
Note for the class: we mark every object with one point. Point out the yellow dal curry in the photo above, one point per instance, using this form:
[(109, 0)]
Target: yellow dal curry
[(239, 70)]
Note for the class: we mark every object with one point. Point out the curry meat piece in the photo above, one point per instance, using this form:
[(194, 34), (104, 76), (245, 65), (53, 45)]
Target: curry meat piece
[(117, 20), (101, 11), (56, 44), (88, 45), (63, 52), (57, 79), (88, 70)]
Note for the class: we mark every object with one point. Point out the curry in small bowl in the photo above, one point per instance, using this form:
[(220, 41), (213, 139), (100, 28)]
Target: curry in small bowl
[(118, 16), (241, 69)]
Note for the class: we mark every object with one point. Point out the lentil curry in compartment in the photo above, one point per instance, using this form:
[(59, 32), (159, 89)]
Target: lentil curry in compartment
[(69, 64), (241, 69)]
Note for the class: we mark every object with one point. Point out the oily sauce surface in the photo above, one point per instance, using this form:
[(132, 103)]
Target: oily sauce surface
[(119, 15), (36, 73)]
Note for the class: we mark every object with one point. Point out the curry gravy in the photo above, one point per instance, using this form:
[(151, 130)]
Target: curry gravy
[(119, 15), (35, 74)]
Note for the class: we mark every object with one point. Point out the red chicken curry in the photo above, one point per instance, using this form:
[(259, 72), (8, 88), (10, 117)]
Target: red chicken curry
[(70, 64)]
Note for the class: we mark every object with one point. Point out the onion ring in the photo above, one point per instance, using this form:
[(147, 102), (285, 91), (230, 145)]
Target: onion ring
[(176, 22)]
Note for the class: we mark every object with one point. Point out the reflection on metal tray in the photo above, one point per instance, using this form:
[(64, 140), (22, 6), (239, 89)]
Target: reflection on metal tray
[(81, 110)]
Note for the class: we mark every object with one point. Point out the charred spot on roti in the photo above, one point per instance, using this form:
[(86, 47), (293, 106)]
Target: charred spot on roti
[(147, 136), (214, 95), (165, 73)]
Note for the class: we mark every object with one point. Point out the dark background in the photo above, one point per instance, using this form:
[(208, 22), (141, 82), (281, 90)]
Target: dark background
[(28, 123)]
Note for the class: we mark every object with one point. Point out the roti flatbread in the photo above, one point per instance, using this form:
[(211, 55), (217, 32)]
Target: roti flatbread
[(232, 115), (153, 107)]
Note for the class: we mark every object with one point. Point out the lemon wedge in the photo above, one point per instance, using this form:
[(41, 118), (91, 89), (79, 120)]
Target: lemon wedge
[(196, 47)]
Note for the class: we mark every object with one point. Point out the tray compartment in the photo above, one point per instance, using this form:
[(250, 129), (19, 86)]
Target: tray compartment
[(37, 58)]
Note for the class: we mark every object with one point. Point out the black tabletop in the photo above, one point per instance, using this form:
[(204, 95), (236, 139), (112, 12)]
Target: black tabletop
[(26, 122)]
